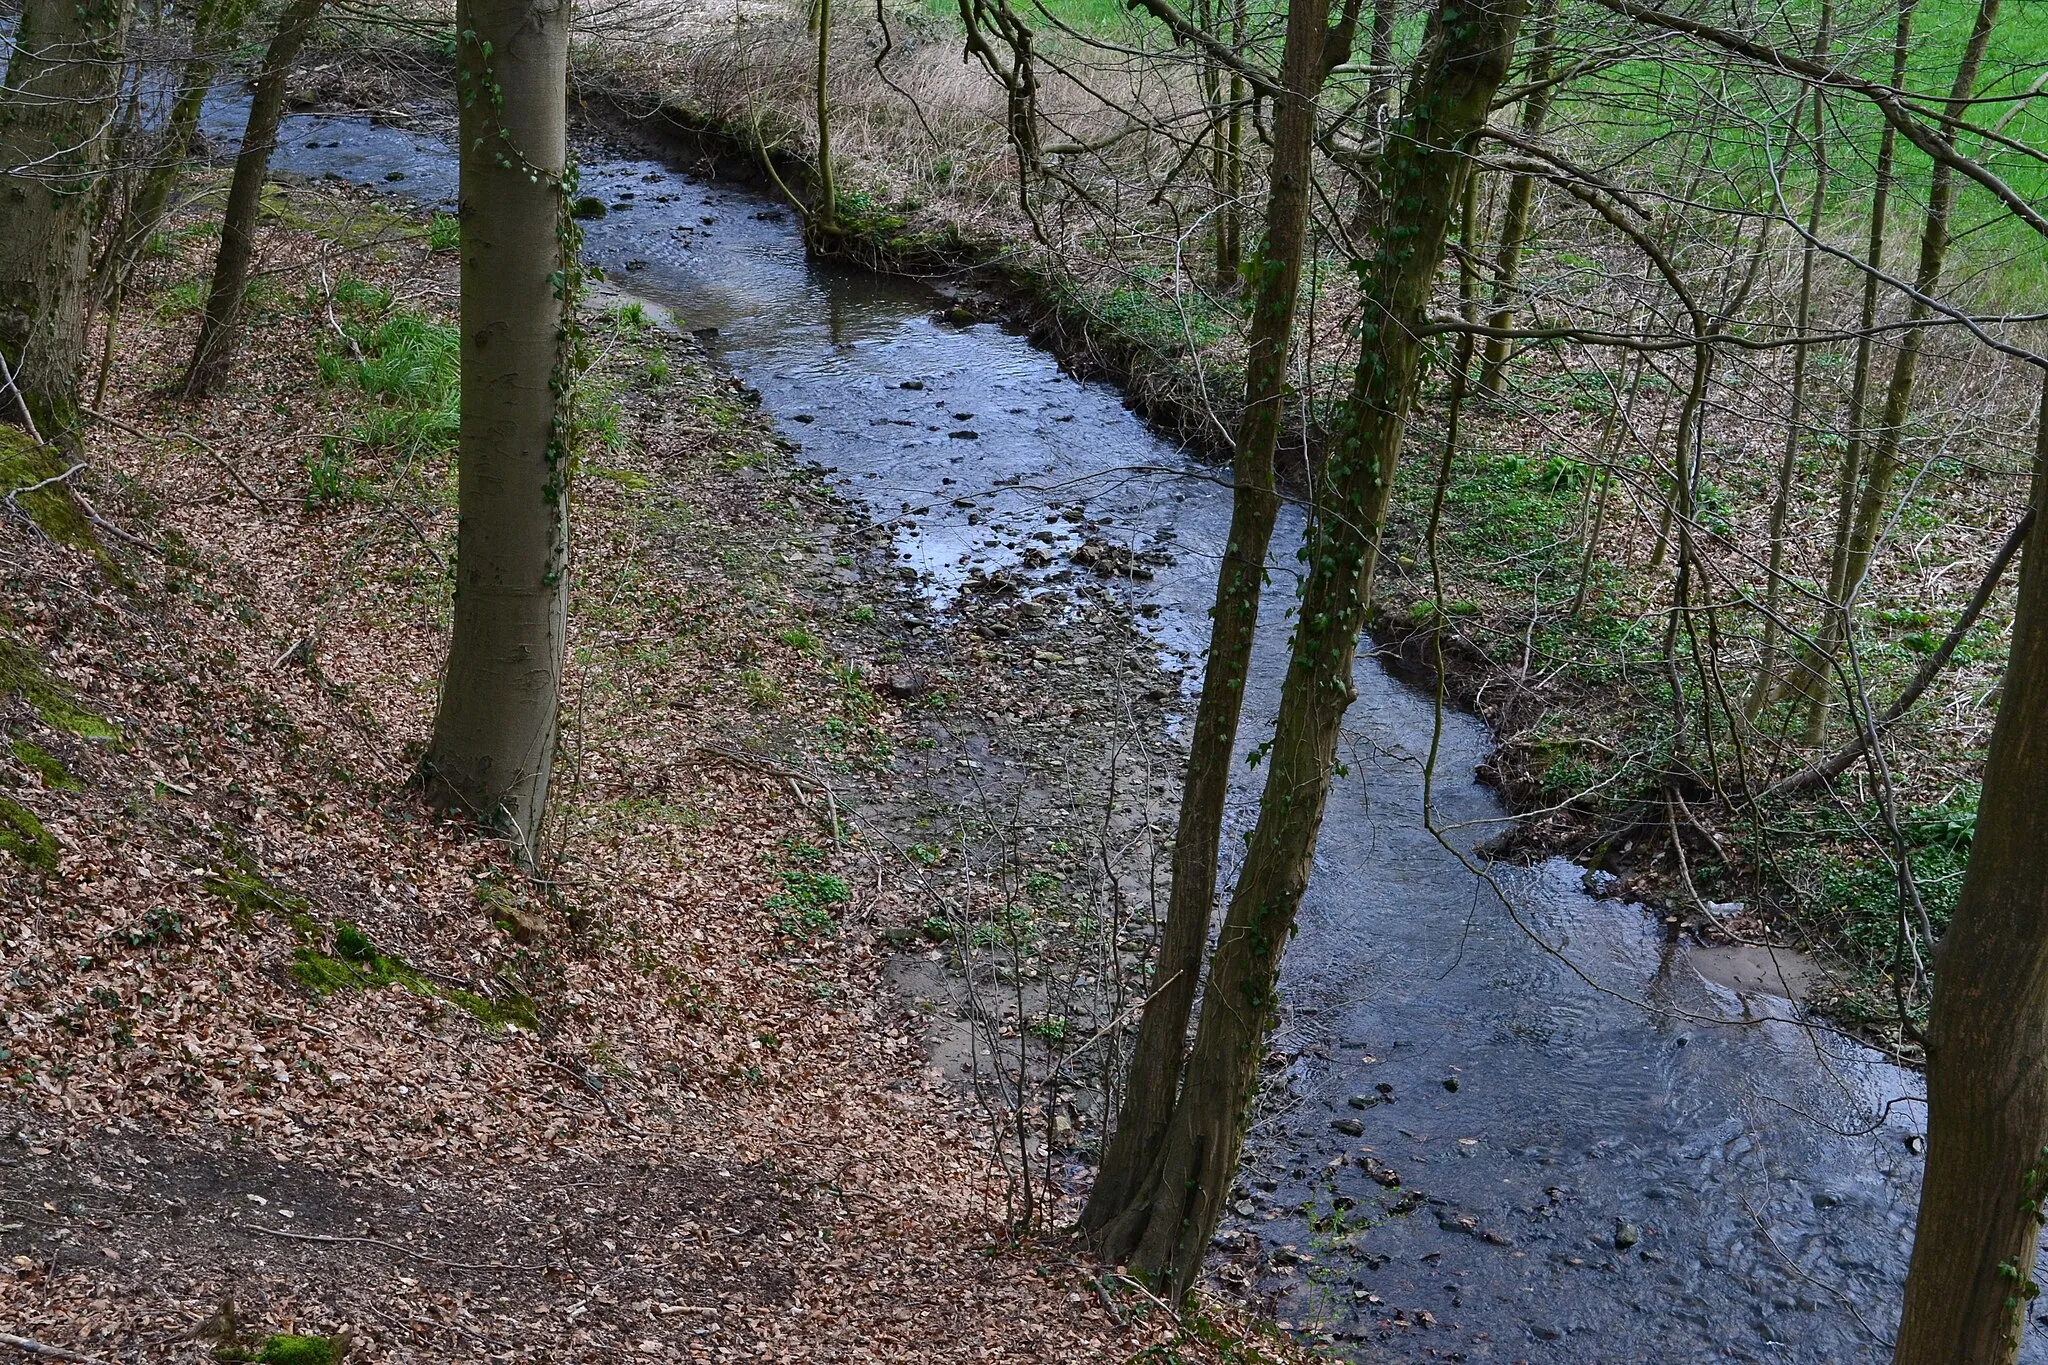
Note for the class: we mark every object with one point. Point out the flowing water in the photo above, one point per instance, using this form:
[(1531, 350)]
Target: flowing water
[(1601, 1155)]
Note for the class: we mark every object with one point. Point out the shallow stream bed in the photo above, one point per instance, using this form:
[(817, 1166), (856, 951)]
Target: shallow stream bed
[(1515, 1122)]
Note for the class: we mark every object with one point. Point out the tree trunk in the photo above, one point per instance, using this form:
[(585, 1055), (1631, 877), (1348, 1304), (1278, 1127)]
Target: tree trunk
[(1811, 677), (1514, 230), (1379, 101), (1898, 398), (62, 85), (215, 349), (826, 217), (1766, 684), (494, 734), (1465, 56), (1230, 165), (1154, 1072), (215, 30), (1971, 1284)]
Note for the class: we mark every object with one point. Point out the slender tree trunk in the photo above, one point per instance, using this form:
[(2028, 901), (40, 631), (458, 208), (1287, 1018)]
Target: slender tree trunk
[(1206, 18), (1971, 1287), (215, 350), (1898, 397), (1154, 1072), (215, 29), (62, 86), (1379, 101), (1811, 678), (494, 734), (1466, 55), (1514, 230), (1620, 419), (1781, 505), (1230, 245), (826, 217)]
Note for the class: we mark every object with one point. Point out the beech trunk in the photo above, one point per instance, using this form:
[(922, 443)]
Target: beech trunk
[(494, 733), (63, 83)]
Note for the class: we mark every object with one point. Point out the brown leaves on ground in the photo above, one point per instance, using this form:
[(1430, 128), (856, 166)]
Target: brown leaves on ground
[(272, 1034)]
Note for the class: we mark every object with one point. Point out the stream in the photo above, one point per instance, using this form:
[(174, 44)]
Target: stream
[(1601, 1154)]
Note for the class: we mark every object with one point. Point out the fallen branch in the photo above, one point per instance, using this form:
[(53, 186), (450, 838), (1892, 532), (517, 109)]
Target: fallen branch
[(203, 446), (46, 1351), (1839, 762), (14, 493)]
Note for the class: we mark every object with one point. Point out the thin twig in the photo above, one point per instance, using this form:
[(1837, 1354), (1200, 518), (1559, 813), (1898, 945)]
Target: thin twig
[(340, 1239), (203, 446)]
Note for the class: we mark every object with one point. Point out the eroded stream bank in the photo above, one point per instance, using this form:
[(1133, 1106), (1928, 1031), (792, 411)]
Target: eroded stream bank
[(1513, 1120)]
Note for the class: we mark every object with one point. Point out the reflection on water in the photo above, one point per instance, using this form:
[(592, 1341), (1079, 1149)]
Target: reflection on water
[(1600, 1155)]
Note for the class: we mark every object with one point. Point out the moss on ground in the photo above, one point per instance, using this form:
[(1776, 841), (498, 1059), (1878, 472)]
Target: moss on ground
[(357, 963), (24, 464), (285, 1348), (22, 674), (47, 766), (24, 836), (241, 885)]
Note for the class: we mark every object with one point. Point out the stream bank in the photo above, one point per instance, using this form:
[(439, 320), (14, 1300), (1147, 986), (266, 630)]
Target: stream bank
[(276, 1037), (1583, 1144)]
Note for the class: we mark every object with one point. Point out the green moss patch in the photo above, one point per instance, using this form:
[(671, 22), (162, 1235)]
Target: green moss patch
[(285, 1348), (514, 1010), (47, 766), (357, 963), (242, 885), (24, 464), (22, 674), (24, 836)]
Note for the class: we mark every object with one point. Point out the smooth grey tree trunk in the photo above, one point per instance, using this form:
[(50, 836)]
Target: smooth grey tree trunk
[(1970, 1288), (494, 733), (63, 83), (215, 350)]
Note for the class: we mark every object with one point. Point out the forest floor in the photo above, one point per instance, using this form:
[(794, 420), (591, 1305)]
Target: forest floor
[(285, 1055)]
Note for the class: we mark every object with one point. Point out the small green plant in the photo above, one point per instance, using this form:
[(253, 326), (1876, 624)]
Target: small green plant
[(799, 639), (405, 360), (183, 299), (804, 908), (863, 613), (157, 926), (760, 689), (1052, 1028), (328, 479), (656, 372), (444, 233), (930, 855)]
